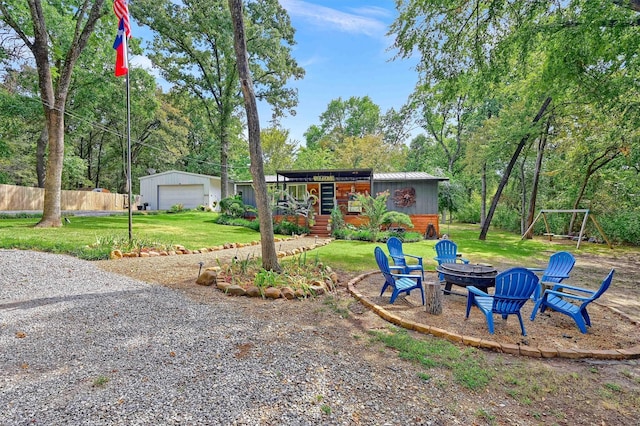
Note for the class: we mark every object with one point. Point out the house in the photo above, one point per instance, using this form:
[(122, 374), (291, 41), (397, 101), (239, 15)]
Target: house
[(163, 190), (413, 193)]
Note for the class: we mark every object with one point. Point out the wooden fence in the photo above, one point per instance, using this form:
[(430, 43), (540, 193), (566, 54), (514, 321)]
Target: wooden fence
[(26, 198)]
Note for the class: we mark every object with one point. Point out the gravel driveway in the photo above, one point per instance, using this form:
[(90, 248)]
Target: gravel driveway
[(82, 346)]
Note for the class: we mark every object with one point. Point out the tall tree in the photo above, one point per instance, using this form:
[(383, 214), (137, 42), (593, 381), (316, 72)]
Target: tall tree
[(56, 35), (370, 151), (542, 142), (354, 117), (194, 50), (20, 125), (269, 255), (444, 120), (507, 172), (575, 51), (278, 152)]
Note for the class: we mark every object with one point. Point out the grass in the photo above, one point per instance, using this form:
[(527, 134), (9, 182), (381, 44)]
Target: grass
[(500, 247), (90, 237), (339, 307), (100, 381), (471, 370), (487, 416), (468, 365)]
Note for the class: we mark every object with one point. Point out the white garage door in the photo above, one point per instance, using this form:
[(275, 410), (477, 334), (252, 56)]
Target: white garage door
[(190, 196)]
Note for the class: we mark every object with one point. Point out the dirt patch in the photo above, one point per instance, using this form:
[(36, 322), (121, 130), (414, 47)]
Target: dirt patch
[(550, 330)]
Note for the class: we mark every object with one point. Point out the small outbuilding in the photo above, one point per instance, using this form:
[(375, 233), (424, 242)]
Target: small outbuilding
[(161, 191)]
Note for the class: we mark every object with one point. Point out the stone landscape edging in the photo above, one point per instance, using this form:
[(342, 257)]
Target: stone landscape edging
[(181, 250), (509, 348)]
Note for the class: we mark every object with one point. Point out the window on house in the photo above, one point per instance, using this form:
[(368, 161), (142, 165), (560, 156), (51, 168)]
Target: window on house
[(298, 192)]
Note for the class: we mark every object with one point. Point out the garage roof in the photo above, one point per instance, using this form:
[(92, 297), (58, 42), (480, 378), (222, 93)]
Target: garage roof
[(155, 175)]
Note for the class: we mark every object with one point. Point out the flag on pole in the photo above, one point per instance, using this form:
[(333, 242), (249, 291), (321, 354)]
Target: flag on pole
[(120, 45), (124, 32), (122, 12)]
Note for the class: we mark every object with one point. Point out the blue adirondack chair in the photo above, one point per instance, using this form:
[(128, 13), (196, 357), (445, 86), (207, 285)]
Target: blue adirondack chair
[(558, 268), (513, 288), (447, 252), (559, 301), (394, 245), (400, 283)]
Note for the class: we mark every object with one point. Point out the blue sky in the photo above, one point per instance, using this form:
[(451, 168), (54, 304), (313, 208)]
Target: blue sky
[(343, 47)]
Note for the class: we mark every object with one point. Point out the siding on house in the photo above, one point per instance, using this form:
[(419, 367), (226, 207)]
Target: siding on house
[(247, 194), (426, 195)]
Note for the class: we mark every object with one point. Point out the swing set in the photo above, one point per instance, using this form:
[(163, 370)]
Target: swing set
[(550, 234)]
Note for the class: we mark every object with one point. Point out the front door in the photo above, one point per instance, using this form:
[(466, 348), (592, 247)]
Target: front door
[(327, 195)]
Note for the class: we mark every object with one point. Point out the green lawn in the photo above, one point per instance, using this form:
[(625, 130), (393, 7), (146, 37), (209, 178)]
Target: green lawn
[(499, 247), (94, 237)]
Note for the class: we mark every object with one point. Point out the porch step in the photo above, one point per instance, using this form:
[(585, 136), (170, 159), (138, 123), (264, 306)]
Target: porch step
[(319, 228)]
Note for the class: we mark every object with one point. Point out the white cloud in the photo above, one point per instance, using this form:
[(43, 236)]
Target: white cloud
[(142, 61), (312, 60), (373, 11), (354, 23)]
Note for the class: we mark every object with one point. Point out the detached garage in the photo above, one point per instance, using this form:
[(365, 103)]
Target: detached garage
[(163, 190)]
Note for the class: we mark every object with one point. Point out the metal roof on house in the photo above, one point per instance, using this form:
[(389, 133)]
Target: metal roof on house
[(338, 173), (399, 176), (380, 177), (267, 178)]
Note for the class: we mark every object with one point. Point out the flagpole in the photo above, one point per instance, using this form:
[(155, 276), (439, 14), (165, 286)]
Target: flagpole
[(121, 45), (126, 46)]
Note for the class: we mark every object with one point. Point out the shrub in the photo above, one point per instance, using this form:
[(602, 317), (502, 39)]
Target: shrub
[(225, 219), (285, 227), (233, 206), (177, 208), (338, 225), (621, 226), (289, 206), (341, 234), (397, 218), (363, 234), (469, 212), (506, 219)]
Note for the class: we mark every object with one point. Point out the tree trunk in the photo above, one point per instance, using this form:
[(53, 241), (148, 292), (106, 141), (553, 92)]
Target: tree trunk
[(51, 216), (523, 194), (433, 298), (631, 4), (507, 173), (224, 168), (269, 255), (536, 179), (54, 97), (594, 166), (483, 195), (41, 151), (99, 159)]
